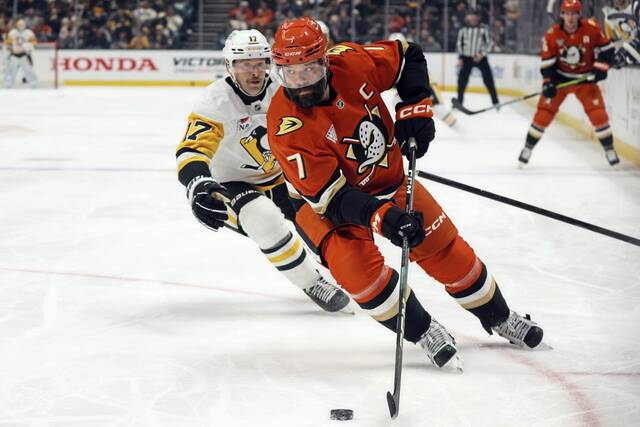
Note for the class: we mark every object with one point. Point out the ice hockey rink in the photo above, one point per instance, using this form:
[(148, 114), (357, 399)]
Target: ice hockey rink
[(117, 308)]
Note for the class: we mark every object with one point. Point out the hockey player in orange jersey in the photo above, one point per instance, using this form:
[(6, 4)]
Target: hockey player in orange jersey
[(572, 49), (342, 157)]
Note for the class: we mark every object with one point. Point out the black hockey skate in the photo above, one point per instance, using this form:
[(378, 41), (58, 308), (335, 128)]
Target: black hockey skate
[(439, 344), (520, 331), (525, 155), (612, 156), (328, 296)]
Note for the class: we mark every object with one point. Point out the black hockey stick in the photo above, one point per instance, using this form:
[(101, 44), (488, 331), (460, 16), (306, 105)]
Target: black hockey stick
[(394, 399), (458, 106), (540, 211)]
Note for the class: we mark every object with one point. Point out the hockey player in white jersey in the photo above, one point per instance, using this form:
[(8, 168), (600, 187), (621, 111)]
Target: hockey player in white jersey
[(20, 43), (621, 20), (231, 177)]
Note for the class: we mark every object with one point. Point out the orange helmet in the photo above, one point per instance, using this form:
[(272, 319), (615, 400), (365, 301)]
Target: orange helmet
[(571, 5), (297, 41)]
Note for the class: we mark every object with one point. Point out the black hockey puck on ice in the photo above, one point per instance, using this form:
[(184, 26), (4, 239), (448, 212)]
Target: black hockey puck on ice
[(341, 414)]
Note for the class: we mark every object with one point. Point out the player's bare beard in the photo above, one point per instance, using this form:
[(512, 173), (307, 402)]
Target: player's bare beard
[(307, 96)]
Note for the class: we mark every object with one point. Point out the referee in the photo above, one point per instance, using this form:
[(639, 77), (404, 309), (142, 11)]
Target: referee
[(473, 45)]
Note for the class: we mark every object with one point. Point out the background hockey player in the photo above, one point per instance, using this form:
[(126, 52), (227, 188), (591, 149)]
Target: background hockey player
[(230, 174), (621, 26), (335, 139), (574, 48), (20, 43)]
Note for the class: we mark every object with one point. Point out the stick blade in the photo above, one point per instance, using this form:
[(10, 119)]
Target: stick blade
[(455, 102), (393, 405)]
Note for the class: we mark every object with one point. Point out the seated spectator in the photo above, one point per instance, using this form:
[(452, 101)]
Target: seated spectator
[(428, 42), (122, 41), (184, 8), (140, 40), (264, 17), (240, 16), (174, 22), (65, 36), (144, 14), (159, 38), (497, 35), (396, 23)]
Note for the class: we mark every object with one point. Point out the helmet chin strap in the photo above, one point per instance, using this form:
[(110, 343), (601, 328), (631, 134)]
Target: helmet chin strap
[(235, 82)]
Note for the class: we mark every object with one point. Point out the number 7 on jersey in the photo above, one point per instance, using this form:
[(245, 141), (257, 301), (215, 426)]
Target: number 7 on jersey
[(302, 173)]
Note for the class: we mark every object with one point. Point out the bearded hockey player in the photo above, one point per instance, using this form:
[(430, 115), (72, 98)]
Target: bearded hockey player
[(572, 49), (621, 22), (341, 155), (20, 43), (231, 177)]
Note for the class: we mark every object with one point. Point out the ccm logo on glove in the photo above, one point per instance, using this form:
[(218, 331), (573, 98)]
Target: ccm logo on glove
[(422, 109)]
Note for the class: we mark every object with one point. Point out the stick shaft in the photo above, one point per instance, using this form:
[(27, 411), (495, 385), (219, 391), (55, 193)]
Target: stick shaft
[(394, 400), (466, 111), (531, 208)]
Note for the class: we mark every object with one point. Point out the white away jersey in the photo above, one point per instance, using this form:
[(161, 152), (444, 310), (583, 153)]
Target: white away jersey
[(20, 42), (230, 136), (620, 25)]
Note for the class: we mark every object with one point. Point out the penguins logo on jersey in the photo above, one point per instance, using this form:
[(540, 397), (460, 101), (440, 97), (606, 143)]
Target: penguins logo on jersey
[(368, 146), (262, 155)]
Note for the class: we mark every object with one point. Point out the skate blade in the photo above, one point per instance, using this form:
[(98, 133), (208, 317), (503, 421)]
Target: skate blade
[(455, 364), (521, 165), (347, 309), (542, 347)]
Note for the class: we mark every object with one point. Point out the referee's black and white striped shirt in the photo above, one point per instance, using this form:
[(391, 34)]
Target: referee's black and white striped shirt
[(474, 40)]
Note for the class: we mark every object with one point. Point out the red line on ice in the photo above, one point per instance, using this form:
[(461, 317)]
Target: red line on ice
[(136, 279), (588, 410)]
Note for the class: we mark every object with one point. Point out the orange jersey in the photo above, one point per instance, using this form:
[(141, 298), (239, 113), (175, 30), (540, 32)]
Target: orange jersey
[(573, 55), (347, 139)]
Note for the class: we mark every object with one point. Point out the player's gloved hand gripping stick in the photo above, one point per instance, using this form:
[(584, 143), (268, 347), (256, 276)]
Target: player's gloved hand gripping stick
[(414, 118), (394, 399), (207, 199), (458, 106)]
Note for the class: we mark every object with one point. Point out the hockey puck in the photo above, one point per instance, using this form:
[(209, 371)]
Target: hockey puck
[(341, 414)]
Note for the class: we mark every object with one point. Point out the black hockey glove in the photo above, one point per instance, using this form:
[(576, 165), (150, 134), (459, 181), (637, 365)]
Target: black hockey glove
[(600, 70), (549, 89), (627, 54), (206, 197), (394, 224), (414, 119)]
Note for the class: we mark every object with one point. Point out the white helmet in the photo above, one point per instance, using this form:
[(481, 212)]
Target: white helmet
[(398, 36), (245, 44)]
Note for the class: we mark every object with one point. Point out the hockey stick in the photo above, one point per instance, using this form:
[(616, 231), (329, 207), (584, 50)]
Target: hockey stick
[(458, 106), (540, 211), (394, 399), (550, 5)]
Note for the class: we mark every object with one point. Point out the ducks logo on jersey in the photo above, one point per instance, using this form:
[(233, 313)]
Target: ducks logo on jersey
[(369, 146)]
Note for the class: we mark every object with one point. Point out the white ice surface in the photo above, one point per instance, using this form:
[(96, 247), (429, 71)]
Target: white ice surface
[(118, 309)]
